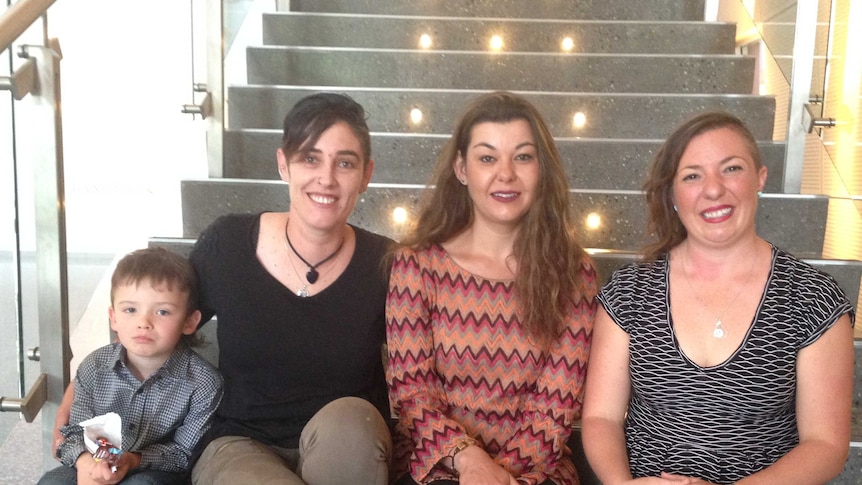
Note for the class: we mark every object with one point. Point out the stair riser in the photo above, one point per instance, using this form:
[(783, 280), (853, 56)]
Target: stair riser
[(607, 116), (475, 34), (462, 70), (547, 9), (591, 164), (851, 474), (779, 218)]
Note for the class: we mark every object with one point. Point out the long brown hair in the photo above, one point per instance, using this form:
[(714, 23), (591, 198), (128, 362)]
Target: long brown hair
[(549, 278), (663, 224)]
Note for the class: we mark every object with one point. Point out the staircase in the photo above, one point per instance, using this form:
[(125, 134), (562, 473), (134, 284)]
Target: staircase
[(636, 69)]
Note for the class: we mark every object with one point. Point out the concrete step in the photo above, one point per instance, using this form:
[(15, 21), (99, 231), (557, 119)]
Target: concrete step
[(607, 115), (851, 473), (404, 158), (474, 34), (793, 222), (606, 73), (543, 9)]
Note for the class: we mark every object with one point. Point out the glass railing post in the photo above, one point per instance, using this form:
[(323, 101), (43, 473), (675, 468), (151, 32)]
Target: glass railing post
[(215, 86), (50, 213), (800, 90)]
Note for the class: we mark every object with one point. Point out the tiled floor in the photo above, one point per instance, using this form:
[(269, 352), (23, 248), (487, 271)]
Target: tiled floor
[(20, 454)]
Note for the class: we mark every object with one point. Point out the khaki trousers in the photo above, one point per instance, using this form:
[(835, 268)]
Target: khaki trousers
[(346, 442)]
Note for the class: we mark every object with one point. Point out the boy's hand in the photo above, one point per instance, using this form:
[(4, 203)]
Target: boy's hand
[(92, 472), (57, 440), (85, 466)]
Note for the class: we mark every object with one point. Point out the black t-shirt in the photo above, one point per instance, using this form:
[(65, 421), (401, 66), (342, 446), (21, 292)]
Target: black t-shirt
[(283, 357)]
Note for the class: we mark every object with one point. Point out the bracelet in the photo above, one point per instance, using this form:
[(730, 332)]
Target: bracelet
[(460, 445), (448, 461)]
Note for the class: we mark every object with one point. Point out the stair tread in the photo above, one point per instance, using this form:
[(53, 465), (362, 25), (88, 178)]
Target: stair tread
[(607, 116), (511, 71), (409, 158), (644, 9), (779, 218), (473, 33)]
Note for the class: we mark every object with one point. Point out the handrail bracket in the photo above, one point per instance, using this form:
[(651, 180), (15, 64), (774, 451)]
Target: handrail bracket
[(32, 403), (22, 82)]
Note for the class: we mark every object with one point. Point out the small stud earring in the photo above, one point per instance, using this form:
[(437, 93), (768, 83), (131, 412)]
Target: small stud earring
[(675, 208), (463, 181), (759, 193)]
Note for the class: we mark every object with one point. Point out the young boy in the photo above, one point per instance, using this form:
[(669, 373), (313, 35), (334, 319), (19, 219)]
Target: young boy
[(164, 392)]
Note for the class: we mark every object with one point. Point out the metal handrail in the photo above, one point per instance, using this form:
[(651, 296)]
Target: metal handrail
[(18, 18)]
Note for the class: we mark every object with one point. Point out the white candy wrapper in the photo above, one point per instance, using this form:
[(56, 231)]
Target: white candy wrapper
[(103, 437)]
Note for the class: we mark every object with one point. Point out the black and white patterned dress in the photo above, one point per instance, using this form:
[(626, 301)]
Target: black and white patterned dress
[(724, 422)]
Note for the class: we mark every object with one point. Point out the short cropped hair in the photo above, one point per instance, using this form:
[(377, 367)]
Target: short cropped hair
[(158, 266), (314, 114)]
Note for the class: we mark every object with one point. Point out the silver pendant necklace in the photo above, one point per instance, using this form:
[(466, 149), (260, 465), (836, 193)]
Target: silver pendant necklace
[(718, 330), (312, 275), (302, 292)]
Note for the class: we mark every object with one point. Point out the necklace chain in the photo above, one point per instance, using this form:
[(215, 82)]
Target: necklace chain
[(312, 275), (303, 292), (718, 331)]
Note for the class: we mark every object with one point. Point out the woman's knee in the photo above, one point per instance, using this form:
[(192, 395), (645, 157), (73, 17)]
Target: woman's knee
[(346, 427), (348, 419), (237, 459)]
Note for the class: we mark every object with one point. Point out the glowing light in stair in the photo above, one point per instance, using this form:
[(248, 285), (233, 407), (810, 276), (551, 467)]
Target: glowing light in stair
[(567, 44), (496, 43), (415, 116), (594, 221), (399, 215), (425, 41), (579, 120)]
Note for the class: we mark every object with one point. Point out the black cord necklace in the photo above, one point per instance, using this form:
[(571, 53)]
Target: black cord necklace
[(312, 274)]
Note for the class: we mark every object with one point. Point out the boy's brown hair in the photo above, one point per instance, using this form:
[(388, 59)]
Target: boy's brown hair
[(159, 266)]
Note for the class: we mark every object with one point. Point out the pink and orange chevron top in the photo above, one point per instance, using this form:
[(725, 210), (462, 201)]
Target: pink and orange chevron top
[(461, 364)]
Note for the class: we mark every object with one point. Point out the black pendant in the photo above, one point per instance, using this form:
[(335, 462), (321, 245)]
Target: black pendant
[(311, 276)]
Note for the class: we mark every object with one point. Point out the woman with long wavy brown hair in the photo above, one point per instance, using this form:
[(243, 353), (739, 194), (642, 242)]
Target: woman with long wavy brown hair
[(490, 309)]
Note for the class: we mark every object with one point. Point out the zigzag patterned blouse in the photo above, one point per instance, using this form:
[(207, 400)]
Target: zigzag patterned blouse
[(725, 422), (461, 364)]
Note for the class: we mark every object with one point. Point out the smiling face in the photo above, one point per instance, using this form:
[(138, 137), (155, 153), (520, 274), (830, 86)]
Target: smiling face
[(715, 188), (326, 180), (501, 171), (150, 319)]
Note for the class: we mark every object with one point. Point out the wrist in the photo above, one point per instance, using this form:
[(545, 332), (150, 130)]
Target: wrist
[(460, 445), (134, 459), (84, 458)]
